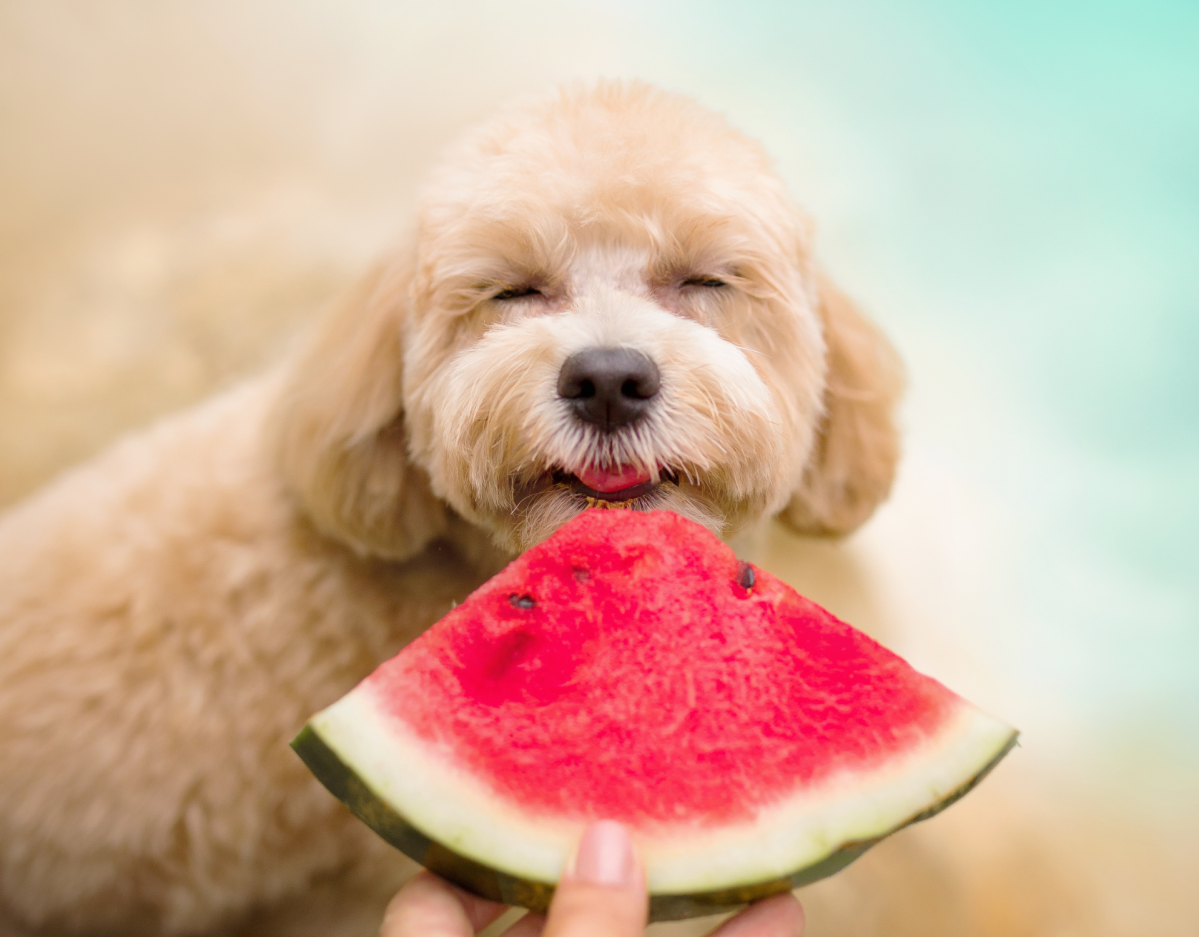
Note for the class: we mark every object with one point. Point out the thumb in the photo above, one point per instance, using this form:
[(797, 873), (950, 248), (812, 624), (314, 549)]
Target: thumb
[(602, 891)]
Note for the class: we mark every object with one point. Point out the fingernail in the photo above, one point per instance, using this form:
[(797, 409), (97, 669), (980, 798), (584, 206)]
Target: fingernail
[(605, 855)]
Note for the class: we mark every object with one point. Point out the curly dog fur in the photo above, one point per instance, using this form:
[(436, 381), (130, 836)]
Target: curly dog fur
[(172, 611)]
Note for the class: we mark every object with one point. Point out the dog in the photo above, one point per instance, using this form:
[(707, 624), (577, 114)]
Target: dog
[(609, 299)]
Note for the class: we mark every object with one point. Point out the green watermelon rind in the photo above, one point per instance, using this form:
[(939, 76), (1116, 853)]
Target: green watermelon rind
[(324, 748)]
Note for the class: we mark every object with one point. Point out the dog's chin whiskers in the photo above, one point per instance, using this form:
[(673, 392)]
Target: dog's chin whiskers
[(670, 498), (545, 514), (525, 502)]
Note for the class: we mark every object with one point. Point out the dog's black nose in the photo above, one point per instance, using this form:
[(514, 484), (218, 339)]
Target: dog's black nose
[(610, 387)]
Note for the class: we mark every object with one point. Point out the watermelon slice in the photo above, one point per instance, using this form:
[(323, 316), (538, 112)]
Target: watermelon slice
[(632, 668)]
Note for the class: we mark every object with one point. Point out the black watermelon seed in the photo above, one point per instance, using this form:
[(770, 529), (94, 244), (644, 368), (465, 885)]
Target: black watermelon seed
[(746, 576), (521, 601)]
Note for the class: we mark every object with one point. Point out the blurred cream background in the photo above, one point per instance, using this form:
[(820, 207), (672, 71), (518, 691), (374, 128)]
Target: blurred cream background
[(1009, 189)]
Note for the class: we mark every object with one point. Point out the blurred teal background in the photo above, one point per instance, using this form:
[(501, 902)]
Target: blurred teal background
[(1013, 190)]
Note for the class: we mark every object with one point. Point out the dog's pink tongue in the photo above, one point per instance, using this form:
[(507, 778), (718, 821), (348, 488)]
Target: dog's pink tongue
[(615, 479)]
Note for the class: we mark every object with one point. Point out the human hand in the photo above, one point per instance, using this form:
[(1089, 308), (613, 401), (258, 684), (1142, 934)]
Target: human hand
[(602, 894)]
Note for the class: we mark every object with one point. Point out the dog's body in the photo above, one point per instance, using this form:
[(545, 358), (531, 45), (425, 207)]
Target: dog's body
[(160, 641), (172, 612)]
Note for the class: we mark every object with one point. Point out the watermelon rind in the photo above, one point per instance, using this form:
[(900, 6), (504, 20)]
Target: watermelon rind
[(422, 802)]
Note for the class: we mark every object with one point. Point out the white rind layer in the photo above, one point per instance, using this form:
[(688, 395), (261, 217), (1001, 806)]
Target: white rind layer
[(456, 809)]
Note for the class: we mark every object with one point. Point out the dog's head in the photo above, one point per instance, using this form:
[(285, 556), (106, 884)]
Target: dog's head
[(610, 300)]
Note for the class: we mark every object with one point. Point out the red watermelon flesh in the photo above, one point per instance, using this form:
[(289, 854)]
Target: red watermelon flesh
[(632, 668)]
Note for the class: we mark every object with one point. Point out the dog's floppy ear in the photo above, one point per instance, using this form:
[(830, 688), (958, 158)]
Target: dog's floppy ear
[(853, 461), (339, 432)]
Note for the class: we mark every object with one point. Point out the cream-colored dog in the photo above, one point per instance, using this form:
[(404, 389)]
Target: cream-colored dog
[(609, 299)]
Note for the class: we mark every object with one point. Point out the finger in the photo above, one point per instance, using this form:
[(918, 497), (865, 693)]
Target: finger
[(603, 891), (780, 916), (430, 907)]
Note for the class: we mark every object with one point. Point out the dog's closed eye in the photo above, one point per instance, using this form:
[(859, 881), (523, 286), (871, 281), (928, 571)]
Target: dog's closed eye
[(516, 292), (704, 282)]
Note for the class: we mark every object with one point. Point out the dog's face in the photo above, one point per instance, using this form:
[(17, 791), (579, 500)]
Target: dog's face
[(610, 303)]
